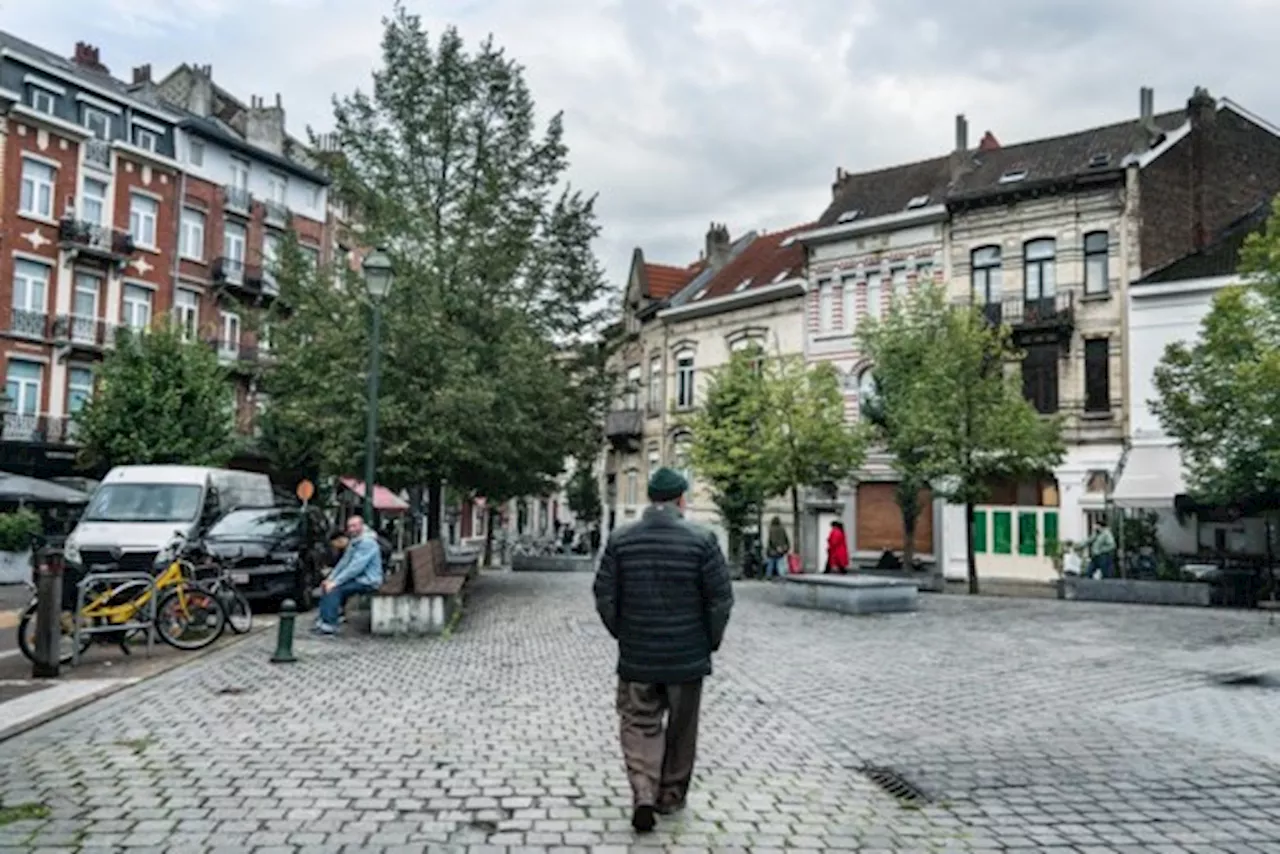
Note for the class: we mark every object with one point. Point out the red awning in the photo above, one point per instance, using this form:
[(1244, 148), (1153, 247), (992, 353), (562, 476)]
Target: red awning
[(384, 500)]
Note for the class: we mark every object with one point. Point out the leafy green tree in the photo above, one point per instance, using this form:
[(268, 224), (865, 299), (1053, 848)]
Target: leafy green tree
[(443, 164), (981, 429), (159, 399), (728, 450), (1218, 396)]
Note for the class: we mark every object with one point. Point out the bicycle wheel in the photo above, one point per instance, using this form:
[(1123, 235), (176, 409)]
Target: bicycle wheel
[(239, 615), (27, 636), (190, 618)]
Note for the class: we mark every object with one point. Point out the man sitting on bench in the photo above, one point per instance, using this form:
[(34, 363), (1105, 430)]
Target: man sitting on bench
[(359, 571)]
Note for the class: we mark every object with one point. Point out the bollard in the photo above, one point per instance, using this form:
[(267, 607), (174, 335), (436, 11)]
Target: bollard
[(48, 572), (284, 633)]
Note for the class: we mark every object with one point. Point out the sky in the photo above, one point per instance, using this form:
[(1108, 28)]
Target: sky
[(683, 112)]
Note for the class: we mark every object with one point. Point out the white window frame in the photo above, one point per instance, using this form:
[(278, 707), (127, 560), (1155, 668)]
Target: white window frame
[(875, 296), (229, 334), (686, 379), (187, 313), (277, 187), (849, 294), (631, 393), (195, 151), (31, 283), (35, 189), (193, 228), (900, 284), (632, 487), (240, 173), (86, 197), (74, 387), (146, 139), (235, 234), (270, 253), (42, 100), (78, 288), (826, 306), (130, 307), (140, 218), (655, 383), (17, 404)]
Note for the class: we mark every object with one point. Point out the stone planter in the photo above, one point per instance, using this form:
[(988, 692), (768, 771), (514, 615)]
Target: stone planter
[(1136, 592), (15, 567), (553, 563)]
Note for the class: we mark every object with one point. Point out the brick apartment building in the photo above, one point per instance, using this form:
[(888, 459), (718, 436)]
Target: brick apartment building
[(122, 202)]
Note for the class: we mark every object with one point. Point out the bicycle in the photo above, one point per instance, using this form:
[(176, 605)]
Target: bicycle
[(221, 586), (181, 606)]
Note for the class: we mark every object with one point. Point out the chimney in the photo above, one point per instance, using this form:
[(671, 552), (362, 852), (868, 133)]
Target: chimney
[(142, 74), (264, 126), (841, 177), (717, 245), (200, 95), (960, 154), (87, 57), (1202, 109), (989, 142)]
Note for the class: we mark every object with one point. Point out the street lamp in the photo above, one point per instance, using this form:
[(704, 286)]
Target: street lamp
[(378, 273)]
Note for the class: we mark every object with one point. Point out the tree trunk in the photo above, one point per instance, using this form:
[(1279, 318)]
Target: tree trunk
[(795, 524), (435, 503), (415, 513), (909, 520), (490, 515), (968, 547)]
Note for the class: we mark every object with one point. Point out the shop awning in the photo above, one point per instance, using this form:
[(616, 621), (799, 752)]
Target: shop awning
[(384, 500), (1152, 478)]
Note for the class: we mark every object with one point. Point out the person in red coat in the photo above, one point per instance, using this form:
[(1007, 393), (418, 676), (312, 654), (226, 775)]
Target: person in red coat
[(837, 550)]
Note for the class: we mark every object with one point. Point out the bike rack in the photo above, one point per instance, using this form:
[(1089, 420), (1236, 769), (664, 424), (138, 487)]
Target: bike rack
[(148, 625)]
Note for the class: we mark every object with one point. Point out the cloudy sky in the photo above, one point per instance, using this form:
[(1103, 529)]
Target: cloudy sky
[(679, 112)]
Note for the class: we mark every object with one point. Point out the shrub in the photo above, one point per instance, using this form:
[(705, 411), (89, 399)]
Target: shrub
[(17, 529)]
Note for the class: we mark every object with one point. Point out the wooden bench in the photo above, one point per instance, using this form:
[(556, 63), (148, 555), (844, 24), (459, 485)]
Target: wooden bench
[(851, 594), (422, 598)]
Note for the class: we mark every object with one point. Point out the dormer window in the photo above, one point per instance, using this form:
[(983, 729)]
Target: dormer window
[(1013, 176), (743, 285), (917, 202), (145, 139), (1097, 161), (849, 216), (699, 295), (782, 274)]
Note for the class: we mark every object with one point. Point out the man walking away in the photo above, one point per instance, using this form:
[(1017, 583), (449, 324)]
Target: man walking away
[(663, 591), (358, 571)]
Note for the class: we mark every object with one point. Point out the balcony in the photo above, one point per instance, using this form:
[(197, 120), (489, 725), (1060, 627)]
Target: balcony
[(97, 152), (29, 324), (237, 199), (237, 356), (276, 214), (84, 334), (38, 428), (1051, 319), (90, 240), (624, 428), (235, 273)]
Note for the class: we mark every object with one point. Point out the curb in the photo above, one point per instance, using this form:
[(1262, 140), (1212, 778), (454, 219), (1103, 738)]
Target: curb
[(123, 683)]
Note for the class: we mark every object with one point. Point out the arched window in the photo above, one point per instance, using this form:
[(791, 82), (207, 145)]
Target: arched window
[(866, 387)]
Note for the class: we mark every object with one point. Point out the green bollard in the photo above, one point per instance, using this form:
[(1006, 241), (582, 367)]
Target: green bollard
[(284, 633)]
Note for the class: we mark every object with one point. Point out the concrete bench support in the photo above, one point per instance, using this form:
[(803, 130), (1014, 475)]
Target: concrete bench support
[(848, 594), (1136, 591), (411, 615)]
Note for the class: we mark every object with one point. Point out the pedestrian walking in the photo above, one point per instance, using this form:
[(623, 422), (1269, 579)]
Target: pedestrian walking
[(837, 550), (1102, 551), (664, 593), (359, 570), (779, 548)]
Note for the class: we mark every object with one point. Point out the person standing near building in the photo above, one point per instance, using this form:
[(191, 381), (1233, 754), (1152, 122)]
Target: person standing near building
[(1102, 551), (664, 593), (837, 550), (779, 548)]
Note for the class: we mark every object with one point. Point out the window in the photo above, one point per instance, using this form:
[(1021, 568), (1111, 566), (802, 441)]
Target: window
[(192, 234), (826, 306), (631, 394), (633, 487), (239, 173), (264, 341), (655, 383), (195, 152), (1097, 375), (143, 212), (229, 343), (147, 140), (93, 207), (1038, 287), (84, 307), (1096, 274), (30, 293), (654, 460), (42, 101), (233, 248), (984, 277), (849, 295), (137, 307), (875, 296), (277, 187), (310, 256), (79, 388), (97, 122), (186, 310), (684, 381), (924, 273), (270, 252), (866, 387), (36, 195), (900, 284), (22, 385), (1040, 377), (680, 459)]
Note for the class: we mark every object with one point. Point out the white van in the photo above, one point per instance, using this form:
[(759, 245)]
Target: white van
[(138, 509)]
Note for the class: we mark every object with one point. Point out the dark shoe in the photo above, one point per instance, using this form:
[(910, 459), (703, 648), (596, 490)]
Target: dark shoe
[(643, 819)]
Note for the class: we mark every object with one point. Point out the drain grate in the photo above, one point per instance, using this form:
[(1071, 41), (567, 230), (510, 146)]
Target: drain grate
[(906, 792)]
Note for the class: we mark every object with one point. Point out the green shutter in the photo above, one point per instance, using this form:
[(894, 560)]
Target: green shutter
[(1002, 532), (1050, 532), (1027, 534), (980, 531)]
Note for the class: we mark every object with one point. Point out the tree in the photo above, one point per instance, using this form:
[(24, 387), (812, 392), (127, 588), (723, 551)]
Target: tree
[(967, 414), (899, 411), (443, 164), (159, 399), (728, 450), (1218, 396)]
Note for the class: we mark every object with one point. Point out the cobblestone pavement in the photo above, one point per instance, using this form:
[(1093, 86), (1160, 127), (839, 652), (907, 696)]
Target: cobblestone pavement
[(1028, 725)]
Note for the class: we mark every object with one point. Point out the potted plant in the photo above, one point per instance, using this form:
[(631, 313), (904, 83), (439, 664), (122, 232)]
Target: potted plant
[(16, 530)]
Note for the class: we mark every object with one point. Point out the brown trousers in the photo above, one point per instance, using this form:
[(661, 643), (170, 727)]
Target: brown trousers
[(659, 759)]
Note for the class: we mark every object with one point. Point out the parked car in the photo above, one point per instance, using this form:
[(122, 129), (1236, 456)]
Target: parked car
[(276, 553)]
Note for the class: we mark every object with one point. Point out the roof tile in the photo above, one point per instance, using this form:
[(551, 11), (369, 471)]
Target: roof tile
[(769, 258), (665, 280)]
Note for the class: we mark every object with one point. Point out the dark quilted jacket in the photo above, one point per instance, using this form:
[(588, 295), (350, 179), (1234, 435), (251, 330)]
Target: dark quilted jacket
[(663, 591)]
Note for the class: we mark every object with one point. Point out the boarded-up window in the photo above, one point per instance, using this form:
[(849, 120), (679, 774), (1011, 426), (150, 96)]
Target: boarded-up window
[(1040, 377), (880, 521)]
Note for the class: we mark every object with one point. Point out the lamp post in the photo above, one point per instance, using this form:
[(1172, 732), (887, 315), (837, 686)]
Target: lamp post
[(377, 281)]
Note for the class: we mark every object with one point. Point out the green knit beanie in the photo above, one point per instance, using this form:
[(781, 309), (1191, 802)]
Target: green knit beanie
[(667, 484)]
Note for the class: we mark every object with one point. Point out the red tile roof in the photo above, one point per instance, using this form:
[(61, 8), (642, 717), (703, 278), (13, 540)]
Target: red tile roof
[(765, 261), (665, 280)]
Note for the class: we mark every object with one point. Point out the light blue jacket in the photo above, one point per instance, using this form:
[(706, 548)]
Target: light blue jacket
[(361, 562)]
